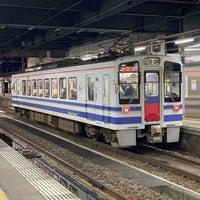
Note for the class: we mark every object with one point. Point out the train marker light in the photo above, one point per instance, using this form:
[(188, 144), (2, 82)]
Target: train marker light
[(176, 107), (126, 110)]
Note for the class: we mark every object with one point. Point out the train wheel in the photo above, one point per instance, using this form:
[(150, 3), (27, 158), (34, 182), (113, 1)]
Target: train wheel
[(92, 132), (108, 138)]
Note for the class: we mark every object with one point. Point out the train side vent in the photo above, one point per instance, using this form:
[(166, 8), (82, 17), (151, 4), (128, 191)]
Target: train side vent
[(157, 48)]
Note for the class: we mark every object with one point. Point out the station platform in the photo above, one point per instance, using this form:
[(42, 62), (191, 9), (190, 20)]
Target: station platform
[(20, 179), (192, 123), (5, 101), (190, 136)]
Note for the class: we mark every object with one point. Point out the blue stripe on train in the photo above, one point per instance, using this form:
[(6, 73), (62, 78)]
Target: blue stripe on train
[(113, 120), (96, 117), (175, 117), (70, 103), (136, 108)]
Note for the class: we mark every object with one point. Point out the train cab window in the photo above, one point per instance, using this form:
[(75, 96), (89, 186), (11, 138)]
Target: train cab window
[(54, 88), (129, 83), (62, 88), (172, 81), (23, 87), (28, 88), (90, 88), (34, 87), (40, 88), (72, 88), (46, 88)]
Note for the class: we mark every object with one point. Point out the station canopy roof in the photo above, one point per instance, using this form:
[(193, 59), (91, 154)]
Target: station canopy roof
[(28, 28)]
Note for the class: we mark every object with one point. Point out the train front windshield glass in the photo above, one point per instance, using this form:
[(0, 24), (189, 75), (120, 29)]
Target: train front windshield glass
[(129, 82), (172, 81)]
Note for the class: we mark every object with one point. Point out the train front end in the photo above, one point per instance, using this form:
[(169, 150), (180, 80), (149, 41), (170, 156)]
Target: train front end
[(151, 97)]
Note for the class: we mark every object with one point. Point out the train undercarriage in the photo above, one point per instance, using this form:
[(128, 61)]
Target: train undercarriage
[(151, 134)]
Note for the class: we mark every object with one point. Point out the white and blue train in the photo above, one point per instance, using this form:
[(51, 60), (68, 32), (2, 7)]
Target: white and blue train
[(126, 100)]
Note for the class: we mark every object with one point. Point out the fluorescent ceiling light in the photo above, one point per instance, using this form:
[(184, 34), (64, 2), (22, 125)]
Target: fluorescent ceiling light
[(182, 41), (140, 48), (192, 49)]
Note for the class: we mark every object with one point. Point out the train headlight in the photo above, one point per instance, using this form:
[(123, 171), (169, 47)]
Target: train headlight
[(176, 107), (126, 109)]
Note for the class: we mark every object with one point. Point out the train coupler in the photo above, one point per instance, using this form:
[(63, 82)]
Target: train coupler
[(155, 134)]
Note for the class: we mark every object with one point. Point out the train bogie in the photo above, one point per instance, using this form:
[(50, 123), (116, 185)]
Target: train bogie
[(126, 100)]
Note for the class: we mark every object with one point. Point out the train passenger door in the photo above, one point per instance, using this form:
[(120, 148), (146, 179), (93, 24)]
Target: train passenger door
[(90, 97), (152, 95), (106, 102)]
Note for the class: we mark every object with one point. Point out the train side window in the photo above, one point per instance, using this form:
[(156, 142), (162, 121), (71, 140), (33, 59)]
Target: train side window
[(172, 81), (23, 87), (62, 88), (129, 83), (90, 88), (73, 190), (40, 87), (72, 88), (46, 88), (34, 87), (54, 88), (28, 88)]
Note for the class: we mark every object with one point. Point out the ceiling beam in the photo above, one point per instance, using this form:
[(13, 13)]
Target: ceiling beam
[(106, 11)]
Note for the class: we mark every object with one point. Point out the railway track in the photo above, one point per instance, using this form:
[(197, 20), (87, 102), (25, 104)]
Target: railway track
[(173, 162), (90, 155), (94, 183), (105, 191)]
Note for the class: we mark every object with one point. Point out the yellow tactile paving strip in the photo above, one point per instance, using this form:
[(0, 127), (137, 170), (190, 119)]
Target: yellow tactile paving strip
[(2, 195)]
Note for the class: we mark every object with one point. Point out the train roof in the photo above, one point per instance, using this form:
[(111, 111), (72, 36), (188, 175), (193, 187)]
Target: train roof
[(68, 62)]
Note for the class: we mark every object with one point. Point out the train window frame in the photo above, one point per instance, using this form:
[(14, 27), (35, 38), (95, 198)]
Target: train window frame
[(129, 89), (62, 88), (34, 87), (152, 84), (172, 81), (72, 88), (23, 87), (46, 87), (28, 92), (90, 88), (54, 88), (40, 89)]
